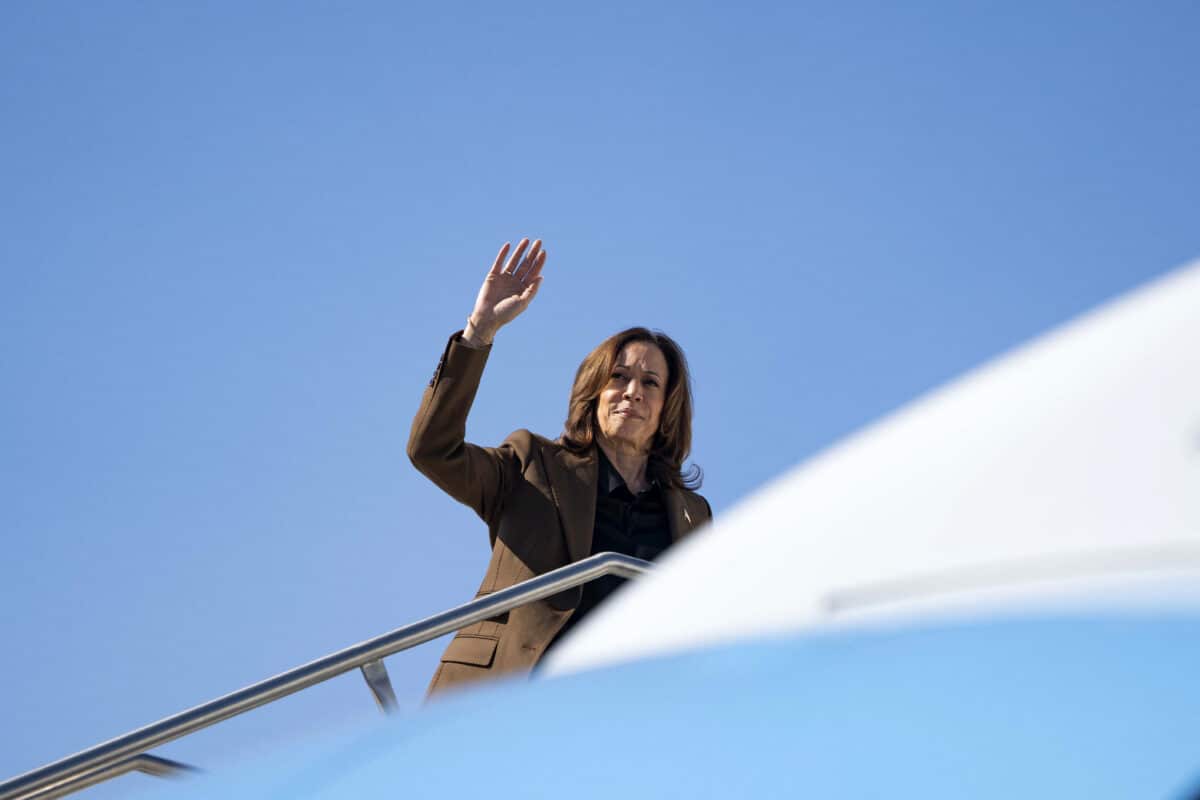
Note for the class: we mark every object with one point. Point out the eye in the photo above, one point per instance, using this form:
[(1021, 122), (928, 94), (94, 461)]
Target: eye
[(652, 382)]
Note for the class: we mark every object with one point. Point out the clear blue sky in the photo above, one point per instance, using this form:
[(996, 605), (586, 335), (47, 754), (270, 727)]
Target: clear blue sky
[(235, 239)]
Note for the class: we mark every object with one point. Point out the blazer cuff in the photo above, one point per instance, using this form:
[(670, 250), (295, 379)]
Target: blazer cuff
[(458, 339), (460, 359)]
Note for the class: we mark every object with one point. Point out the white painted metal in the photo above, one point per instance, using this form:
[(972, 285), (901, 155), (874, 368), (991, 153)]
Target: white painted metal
[(1068, 468)]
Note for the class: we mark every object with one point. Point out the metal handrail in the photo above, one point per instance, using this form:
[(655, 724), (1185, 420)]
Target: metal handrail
[(146, 763), (53, 779)]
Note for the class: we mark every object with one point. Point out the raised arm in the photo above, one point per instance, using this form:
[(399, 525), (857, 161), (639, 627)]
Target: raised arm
[(480, 477)]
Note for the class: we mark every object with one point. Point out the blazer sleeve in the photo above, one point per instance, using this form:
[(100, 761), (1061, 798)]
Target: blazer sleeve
[(479, 477)]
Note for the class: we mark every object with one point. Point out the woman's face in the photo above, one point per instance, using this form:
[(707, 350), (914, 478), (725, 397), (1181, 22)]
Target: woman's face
[(631, 403)]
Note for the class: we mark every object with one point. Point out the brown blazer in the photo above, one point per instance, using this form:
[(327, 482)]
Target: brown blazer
[(539, 502)]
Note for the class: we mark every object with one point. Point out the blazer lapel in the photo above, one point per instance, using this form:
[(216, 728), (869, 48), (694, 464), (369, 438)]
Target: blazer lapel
[(573, 481)]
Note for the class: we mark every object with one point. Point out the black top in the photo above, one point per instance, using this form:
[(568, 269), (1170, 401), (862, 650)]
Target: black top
[(636, 526)]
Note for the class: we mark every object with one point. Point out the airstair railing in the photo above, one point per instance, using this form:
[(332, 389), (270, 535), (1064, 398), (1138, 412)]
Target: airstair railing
[(127, 753)]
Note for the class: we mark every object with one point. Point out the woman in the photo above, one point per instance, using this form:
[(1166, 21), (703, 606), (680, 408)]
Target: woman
[(612, 481)]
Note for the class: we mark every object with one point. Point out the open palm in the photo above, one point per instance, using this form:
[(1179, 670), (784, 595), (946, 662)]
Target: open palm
[(508, 288)]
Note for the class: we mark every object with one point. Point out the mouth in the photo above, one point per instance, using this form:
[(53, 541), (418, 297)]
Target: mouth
[(628, 413)]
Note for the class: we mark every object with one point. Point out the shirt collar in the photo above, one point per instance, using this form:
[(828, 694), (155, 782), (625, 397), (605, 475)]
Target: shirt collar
[(609, 480)]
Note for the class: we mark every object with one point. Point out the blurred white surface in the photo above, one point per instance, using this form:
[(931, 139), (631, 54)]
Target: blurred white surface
[(1065, 471)]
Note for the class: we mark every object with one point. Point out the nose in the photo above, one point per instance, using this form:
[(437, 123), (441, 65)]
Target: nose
[(633, 389)]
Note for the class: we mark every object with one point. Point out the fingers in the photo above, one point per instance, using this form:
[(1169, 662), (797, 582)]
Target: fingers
[(536, 256), (522, 266), (515, 261), (498, 264), (530, 291), (535, 268)]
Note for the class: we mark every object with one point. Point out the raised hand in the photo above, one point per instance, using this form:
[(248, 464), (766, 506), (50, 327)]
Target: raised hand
[(507, 290)]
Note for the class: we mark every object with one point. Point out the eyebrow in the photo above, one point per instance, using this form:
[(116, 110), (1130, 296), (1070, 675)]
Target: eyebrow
[(647, 371)]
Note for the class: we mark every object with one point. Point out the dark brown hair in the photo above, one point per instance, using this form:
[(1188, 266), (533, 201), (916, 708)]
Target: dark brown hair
[(672, 441)]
